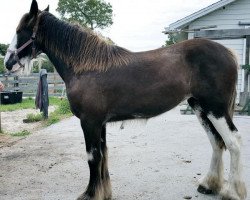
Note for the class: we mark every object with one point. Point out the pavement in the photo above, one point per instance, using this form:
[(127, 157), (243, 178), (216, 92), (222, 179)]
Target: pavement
[(158, 159)]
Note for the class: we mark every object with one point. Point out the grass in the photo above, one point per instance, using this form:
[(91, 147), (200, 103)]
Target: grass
[(27, 103), (61, 112), (33, 118), (21, 133)]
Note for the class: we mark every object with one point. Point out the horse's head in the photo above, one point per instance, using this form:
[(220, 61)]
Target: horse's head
[(23, 46)]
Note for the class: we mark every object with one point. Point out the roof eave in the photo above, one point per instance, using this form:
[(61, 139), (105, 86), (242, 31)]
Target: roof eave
[(190, 18)]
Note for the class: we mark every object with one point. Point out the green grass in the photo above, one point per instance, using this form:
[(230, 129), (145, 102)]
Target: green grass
[(27, 103), (33, 118), (21, 133), (61, 112)]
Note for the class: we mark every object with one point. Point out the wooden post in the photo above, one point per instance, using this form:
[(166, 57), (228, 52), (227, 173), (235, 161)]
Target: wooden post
[(0, 115), (246, 73), (248, 108), (54, 90), (16, 83)]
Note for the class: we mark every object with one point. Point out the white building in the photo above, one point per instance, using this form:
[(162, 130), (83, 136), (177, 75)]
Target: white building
[(226, 22)]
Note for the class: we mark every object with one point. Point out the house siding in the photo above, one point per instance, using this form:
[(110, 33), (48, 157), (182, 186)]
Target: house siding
[(227, 18), (238, 47)]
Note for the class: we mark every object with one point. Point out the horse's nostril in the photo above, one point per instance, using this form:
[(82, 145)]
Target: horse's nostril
[(8, 65), (9, 68)]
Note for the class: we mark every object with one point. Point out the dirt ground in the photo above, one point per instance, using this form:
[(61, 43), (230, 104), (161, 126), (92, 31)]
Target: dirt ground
[(160, 159), (12, 122)]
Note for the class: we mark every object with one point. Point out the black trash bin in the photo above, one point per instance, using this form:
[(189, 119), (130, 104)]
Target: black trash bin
[(11, 97)]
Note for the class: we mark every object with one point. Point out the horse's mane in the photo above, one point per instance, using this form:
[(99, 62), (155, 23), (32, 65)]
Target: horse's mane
[(80, 48)]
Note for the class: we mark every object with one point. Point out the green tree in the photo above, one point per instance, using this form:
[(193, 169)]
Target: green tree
[(89, 13), (42, 62), (2, 68), (3, 49), (175, 38)]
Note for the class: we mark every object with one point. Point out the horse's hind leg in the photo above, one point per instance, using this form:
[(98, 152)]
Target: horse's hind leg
[(213, 180), (235, 188), (92, 133), (104, 172)]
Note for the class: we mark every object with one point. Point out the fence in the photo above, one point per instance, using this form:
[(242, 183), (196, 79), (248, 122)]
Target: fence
[(28, 84)]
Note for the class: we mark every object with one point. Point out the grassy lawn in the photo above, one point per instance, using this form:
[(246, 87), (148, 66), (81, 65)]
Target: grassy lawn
[(28, 103)]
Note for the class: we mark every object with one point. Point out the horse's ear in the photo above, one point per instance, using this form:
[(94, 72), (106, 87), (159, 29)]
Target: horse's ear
[(33, 9), (47, 9)]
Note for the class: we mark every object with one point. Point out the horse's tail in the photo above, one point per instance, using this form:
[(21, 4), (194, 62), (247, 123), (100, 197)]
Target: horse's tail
[(234, 92), (232, 103)]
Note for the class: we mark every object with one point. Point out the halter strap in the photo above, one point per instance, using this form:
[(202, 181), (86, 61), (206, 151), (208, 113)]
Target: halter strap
[(31, 40)]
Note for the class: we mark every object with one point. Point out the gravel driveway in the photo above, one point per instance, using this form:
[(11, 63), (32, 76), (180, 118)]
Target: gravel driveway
[(158, 160)]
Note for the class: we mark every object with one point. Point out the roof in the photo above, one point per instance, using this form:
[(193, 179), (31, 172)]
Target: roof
[(187, 20)]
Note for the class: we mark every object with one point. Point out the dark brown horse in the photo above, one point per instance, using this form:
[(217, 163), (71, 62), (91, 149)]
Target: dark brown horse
[(108, 83)]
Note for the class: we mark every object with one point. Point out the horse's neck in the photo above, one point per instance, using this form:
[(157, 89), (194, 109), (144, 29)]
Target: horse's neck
[(63, 70)]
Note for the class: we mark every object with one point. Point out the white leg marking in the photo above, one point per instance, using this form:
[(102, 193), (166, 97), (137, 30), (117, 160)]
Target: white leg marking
[(235, 189), (90, 156), (11, 47), (214, 178)]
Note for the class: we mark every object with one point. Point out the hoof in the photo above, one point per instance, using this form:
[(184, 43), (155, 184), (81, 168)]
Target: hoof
[(201, 189), (229, 198), (83, 197)]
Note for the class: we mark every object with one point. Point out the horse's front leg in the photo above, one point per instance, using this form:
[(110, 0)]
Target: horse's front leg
[(105, 173), (92, 133)]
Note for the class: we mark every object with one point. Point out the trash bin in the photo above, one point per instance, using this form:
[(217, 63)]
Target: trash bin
[(11, 97)]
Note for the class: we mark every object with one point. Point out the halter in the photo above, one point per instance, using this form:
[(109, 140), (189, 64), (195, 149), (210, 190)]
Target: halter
[(31, 40)]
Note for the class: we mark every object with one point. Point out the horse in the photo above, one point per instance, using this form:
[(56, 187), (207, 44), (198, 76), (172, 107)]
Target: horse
[(107, 83)]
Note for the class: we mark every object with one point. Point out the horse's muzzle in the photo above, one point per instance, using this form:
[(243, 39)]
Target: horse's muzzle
[(10, 62)]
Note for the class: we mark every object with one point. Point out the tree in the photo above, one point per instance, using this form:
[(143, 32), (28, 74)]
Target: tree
[(2, 68), (3, 49), (89, 13), (175, 38), (42, 62)]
